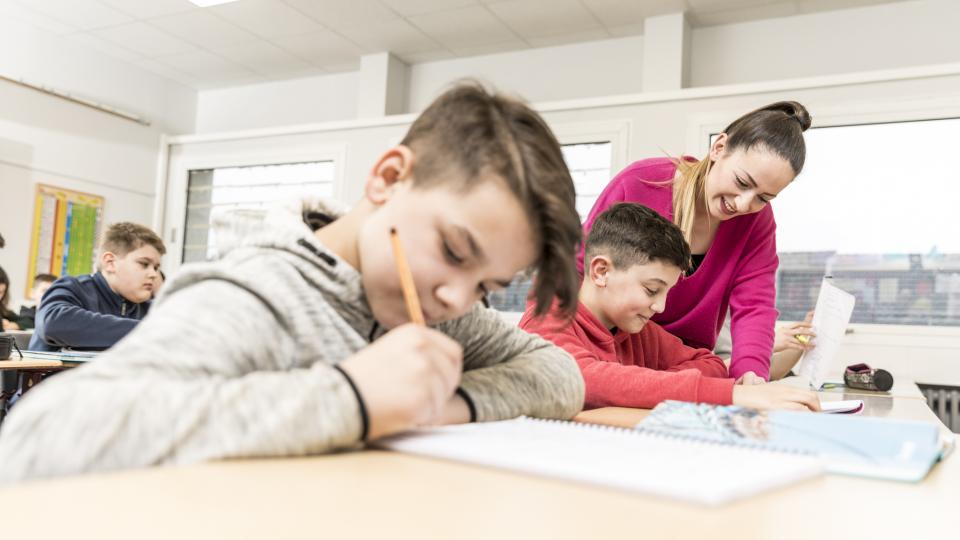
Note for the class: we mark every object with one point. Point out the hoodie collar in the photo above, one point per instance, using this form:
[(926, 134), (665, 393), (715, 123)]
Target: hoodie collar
[(595, 329)]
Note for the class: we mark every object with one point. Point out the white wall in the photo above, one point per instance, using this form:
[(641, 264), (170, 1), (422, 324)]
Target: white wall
[(651, 125), (884, 36), (597, 68), (893, 35), (298, 101), (44, 139)]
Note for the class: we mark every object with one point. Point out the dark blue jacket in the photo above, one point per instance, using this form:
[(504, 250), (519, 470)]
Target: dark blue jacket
[(83, 312)]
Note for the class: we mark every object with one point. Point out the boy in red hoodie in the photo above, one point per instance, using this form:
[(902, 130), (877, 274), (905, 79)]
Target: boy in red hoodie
[(633, 257)]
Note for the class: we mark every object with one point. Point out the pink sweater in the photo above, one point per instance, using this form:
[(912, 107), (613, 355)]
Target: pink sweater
[(738, 271)]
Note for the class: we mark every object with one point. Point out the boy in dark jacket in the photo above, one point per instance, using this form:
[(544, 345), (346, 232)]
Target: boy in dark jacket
[(92, 312)]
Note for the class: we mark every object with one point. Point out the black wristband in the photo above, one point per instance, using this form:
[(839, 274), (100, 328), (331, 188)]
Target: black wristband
[(364, 418), (466, 397)]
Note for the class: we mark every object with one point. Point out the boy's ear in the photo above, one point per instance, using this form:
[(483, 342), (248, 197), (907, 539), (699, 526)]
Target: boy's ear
[(718, 147), (108, 262), (395, 165), (599, 270)]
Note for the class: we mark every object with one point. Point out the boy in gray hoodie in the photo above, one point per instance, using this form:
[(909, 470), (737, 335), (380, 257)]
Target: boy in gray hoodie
[(297, 340)]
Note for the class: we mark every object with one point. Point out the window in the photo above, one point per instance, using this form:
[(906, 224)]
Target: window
[(875, 207), (589, 165), (212, 191)]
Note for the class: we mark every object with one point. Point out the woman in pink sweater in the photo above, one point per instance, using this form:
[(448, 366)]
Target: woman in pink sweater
[(722, 205)]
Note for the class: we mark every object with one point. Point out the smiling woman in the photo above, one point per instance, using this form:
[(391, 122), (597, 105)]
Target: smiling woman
[(721, 204)]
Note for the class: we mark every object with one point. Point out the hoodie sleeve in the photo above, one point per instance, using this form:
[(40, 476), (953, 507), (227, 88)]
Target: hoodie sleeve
[(63, 321), (220, 383), (508, 372)]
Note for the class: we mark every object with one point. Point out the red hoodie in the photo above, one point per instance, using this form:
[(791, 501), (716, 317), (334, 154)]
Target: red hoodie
[(634, 370)]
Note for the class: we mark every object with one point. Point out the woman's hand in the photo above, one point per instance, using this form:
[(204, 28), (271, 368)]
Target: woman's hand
[(786, 336)]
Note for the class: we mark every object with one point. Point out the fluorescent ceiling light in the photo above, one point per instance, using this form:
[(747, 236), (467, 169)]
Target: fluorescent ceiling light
[(208, 3)]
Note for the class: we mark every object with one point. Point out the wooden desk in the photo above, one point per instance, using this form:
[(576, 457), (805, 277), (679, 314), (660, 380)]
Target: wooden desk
[(902, 388), (376, 494), (29, 364)]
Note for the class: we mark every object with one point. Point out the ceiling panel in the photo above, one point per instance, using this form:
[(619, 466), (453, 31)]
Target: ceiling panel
[(614, 13), (145, 9), (144, 39), (322, 48), (266, 59), (336, 13), (267, 18), (397, 36), (536, 18), (203, 29), (464, 28), (84, 15), (409, 8)]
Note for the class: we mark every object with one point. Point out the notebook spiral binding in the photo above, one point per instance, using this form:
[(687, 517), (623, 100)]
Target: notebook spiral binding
[(653, 432)]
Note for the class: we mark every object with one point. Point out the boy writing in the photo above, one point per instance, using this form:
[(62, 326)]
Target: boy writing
[(94, 311), (633, 257), (298, 341)]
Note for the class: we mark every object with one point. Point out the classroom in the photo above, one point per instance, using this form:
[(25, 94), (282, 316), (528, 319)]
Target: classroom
[(479, 268)]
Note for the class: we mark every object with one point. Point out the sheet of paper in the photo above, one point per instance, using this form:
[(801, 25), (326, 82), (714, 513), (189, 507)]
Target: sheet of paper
[(830, 320)]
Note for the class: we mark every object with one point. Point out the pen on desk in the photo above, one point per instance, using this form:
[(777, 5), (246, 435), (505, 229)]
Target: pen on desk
[(406, 280)]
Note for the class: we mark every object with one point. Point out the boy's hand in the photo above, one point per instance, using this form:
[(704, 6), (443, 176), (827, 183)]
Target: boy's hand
[(406, 378), (768, 396)]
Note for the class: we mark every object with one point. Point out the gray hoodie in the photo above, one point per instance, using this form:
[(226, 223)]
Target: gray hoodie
[(236, 360)]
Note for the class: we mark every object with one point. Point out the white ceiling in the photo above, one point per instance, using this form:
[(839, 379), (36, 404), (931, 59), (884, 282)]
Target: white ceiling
[(252, 41)]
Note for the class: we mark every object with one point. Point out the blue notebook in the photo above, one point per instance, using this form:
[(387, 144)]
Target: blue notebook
[(854, 445)]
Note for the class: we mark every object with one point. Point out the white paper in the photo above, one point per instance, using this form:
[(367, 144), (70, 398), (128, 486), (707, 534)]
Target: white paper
[(830, 320)]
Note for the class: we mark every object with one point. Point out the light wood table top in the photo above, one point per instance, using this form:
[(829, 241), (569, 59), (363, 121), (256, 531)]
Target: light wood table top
[(30, 364), (902, 388), (376, 494)]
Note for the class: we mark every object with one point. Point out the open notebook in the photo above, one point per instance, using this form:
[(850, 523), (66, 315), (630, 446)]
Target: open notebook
[(855, 445), (666, 466)]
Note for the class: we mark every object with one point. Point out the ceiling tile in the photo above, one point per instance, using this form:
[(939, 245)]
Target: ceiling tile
[(408, 8), (84, 15), (536, 18), (619, 13), (464, 28), (626, 30), (203, 29), (145, 9), (336, 13), (322, 48), (723, 5), (567, 38), (812, 6), (144, 39), (732, 16), (266, 59), (100, 45), (209, 69), (397, 36), (10, 10), (166, 71), (267, 18), (491, 48), (426, 56)]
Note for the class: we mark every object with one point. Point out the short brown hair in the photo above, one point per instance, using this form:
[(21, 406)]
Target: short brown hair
[(468, 132), (630, 233), (124, 237)]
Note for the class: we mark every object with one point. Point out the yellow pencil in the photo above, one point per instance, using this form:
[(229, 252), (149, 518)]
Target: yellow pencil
[(802, 338), (406, 281)]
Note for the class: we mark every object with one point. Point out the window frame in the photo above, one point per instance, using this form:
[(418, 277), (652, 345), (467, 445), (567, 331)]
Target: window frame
[(177, 180), (844, 114)]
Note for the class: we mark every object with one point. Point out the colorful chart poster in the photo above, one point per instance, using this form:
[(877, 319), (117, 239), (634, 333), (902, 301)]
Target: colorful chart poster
[(66, 225)]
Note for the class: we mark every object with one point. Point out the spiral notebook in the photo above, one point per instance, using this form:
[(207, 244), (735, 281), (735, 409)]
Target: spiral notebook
[(854, 445), (677, 467)]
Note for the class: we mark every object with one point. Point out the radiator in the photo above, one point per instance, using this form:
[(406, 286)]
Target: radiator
[(945, 402)]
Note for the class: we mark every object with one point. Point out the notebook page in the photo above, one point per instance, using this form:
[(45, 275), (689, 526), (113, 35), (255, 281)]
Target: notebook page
[(830, 320), (612, 457)]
